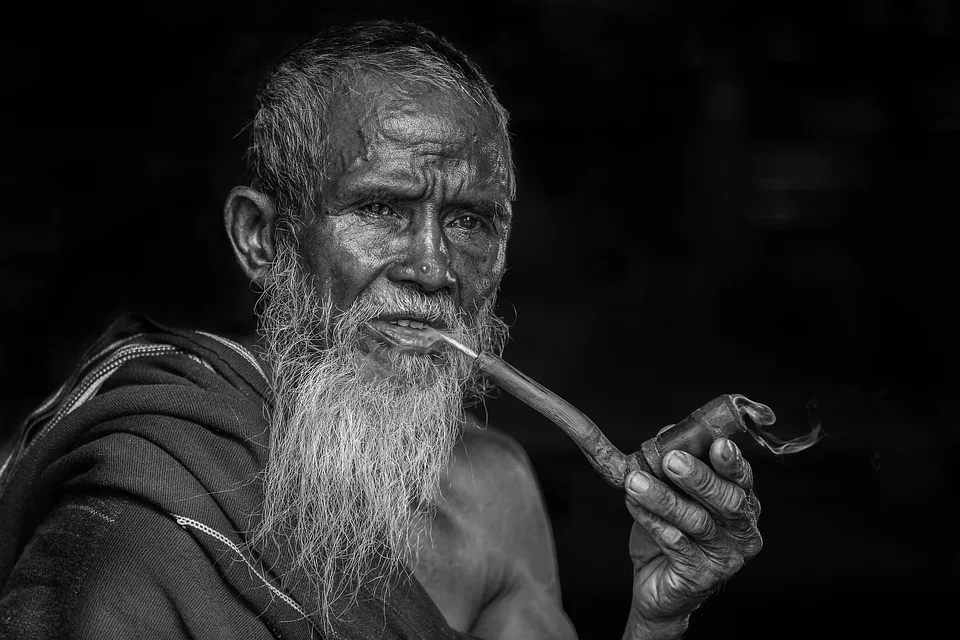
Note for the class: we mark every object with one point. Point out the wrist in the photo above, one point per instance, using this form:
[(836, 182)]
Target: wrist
[(640, 628)]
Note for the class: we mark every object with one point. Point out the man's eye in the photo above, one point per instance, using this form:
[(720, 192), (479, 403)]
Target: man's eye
[(468, 222), (375, 209)]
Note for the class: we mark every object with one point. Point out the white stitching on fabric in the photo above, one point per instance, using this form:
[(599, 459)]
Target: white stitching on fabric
[(190, 522), (95, 378), (90, 383), (56, 397), (113, 347), (110, 368), (200, 360), (84, 507), (88, 386), (93, 381)]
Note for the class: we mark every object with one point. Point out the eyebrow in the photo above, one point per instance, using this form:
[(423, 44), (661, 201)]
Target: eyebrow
[(387, 193), (378, 192), (493, 209)]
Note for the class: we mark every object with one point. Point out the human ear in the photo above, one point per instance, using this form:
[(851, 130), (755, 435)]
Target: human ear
[(249, 217)]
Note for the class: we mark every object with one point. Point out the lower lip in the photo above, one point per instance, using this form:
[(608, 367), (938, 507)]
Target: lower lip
[(403, 338)]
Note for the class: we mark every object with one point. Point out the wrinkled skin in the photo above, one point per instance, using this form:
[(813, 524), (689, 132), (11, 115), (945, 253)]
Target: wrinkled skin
[(685, 546), (418, 196)]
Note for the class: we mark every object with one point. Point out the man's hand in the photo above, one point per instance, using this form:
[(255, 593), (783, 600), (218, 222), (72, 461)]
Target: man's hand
[(685, 546)]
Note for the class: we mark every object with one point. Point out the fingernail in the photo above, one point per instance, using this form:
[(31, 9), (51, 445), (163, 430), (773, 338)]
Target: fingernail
[(727, 451), (678, 462), (639, 482)]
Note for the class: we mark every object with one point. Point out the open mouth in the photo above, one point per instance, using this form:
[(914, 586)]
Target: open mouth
[(405, 333)]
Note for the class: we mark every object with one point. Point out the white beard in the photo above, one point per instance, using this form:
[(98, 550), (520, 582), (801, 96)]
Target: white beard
[(357, 449)]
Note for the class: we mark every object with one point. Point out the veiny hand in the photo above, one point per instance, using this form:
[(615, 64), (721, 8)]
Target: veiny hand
[(684, 547)]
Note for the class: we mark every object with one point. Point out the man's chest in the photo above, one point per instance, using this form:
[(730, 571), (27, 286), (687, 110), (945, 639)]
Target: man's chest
[(457, 569)]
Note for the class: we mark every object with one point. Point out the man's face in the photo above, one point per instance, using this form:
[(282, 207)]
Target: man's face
[(412, 224), (416, 197)]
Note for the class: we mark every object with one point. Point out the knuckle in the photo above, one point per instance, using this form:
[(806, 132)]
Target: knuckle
[(669, 504), (732, 564), (722, 569), (734, 503), (700, 524), (690, 517), (753, 545), (652, 524), (703, 482), (675, 538)]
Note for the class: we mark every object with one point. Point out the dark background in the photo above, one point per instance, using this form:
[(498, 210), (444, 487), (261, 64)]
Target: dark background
[(719, 197)]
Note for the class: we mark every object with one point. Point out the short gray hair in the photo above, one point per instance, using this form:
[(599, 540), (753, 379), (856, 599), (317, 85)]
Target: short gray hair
[(288, 148)]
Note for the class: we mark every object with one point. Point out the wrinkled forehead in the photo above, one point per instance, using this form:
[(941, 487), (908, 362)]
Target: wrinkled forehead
[(382, 110)]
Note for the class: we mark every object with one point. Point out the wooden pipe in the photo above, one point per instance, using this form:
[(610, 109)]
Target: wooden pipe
[(722, 417)]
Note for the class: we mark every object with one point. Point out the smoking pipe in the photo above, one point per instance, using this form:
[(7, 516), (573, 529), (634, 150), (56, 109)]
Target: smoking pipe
[(721, 417)]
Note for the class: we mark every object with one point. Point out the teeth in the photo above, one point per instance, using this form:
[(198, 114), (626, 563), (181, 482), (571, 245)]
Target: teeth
[(406, 322)]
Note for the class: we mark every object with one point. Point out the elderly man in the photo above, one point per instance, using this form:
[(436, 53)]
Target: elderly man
[(328, 482)]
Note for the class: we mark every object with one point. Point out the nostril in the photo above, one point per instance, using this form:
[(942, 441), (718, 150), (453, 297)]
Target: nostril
[(425, 273), (435, 272)]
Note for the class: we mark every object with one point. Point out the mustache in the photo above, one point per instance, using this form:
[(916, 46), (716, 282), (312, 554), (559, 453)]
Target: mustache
[(437, 310)]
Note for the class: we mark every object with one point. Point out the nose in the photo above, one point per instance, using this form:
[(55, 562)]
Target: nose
[(425, 263)]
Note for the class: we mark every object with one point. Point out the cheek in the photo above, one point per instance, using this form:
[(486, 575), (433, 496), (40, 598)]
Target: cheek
[(343, 260), (481, 269)]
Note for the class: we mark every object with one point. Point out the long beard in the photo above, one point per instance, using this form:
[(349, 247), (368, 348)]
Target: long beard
[(359, 440)]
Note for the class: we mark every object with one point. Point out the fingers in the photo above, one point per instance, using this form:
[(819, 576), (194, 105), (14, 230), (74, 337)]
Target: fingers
[(724, 498), (670, 516), (684, 533), (671, 541), (735, 507), (727, 460), (727, 499)]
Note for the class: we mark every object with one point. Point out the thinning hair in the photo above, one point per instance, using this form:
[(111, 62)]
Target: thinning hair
[(288, 152)]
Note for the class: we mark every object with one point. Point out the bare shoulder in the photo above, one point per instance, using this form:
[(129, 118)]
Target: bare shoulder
[(493, 484)]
